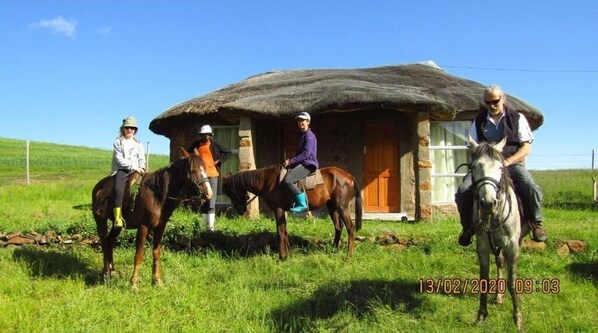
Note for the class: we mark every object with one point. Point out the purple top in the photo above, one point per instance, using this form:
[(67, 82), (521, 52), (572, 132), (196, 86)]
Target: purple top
[(307, 151)]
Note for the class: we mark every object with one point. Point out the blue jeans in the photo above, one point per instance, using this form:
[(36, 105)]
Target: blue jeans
[(525, 187), (210, 206)]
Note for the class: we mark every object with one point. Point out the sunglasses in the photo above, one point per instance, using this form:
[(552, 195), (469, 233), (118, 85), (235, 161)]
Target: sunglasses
[(131, 128), (493, 102)]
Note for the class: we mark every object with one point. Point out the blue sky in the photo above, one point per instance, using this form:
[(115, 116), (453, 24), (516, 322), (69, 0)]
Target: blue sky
[(71, 70)]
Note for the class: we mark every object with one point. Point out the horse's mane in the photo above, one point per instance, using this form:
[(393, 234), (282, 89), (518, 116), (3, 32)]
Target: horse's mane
[(244, 179), (156, 183), (486, 149)]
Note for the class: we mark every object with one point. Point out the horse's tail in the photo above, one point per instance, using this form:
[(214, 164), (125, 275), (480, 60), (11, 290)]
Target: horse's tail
[(358, 206)]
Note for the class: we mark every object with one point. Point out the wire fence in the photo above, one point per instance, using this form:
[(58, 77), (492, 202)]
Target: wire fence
[(561, 161)]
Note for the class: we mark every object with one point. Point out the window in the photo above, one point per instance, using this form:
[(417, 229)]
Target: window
[(448, 148), (228, 136)]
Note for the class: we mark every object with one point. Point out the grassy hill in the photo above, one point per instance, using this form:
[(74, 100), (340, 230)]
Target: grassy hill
[(61, 180)]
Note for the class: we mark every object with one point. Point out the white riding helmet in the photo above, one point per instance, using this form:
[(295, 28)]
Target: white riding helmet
[(205, 129)]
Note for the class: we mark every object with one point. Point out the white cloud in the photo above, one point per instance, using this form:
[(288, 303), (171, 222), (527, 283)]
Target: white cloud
[(58, 26)]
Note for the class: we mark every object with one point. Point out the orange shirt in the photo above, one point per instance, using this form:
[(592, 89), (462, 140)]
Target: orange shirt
[(208, 160)]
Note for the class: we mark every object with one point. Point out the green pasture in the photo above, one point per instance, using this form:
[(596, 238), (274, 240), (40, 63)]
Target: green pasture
[(227, 289)]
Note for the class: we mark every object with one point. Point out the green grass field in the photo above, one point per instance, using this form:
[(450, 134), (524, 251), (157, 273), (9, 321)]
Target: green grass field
[(58, 288)]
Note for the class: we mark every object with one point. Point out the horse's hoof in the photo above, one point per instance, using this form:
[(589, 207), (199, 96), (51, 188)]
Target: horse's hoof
[(157, 283), (134, 284)]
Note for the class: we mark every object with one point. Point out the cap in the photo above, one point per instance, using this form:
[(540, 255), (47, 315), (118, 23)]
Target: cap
[(303, 115), (129, 122), (205, 129)]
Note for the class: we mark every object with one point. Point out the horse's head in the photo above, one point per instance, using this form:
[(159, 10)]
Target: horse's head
[(487, 170), (196, 177), (237, 195)]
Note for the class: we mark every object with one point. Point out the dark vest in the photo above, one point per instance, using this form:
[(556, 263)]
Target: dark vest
[(510, 130)]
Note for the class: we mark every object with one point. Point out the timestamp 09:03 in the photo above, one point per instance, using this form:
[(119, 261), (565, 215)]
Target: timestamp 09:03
[(491, 286)]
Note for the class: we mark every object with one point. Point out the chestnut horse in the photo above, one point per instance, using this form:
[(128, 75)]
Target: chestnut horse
[(160, 193), (337, 191)]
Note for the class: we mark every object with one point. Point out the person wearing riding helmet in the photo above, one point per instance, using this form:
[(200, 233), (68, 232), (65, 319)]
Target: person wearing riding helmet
[(127, 157), (303, 163), (213, 154)]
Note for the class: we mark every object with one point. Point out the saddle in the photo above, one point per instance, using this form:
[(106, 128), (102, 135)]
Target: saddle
[(103, 202), (308, 183)]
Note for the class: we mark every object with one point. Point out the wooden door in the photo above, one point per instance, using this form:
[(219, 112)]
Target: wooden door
[(380, 167)]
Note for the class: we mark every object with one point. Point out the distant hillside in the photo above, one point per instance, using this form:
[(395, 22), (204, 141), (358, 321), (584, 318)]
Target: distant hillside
[(50, 158)]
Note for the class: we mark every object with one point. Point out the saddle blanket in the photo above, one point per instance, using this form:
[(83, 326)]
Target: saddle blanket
[(308, 183)]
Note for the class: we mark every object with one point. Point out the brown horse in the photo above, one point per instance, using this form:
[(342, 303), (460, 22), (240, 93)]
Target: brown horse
[(337, 191), (160, 193)]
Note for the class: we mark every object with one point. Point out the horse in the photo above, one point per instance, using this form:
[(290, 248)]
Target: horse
[(160, 193), (336, 192), (497, 224)]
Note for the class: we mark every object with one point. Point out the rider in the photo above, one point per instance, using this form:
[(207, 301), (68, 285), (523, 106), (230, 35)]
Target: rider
[(127, 157), (212, 154), (303, 163), (492, 125)]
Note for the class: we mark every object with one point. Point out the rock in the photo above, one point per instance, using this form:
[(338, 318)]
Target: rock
[(563, 250), (20, 240), (531, 245), (577, 246), (387, 238), (183, 241), (14, 234), (41, 240)]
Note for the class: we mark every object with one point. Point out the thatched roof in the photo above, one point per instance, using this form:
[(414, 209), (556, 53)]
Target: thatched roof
[(404, 88)]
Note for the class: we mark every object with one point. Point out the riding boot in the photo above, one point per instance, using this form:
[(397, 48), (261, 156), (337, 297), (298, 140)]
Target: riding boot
[(119, 222), (538, 232), (206, 221), (300, 203), (464, 203), (211, 220)]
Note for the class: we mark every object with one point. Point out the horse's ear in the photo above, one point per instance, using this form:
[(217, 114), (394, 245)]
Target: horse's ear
[(501, 144), (184, 152), (195, 151)]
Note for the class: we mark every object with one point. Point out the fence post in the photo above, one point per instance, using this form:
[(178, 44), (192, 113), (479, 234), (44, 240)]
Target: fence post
[(147, 157), (27, 162)]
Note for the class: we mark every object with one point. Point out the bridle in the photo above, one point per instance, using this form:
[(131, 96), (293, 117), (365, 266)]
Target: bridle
[(197, 183), (502, 197)]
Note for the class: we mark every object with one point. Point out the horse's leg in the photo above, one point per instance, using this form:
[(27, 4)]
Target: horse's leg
[(512, 258), (350, 231), (283, 236), (158, 233), (338, 228), (346, 217), (483, 251), (140, 242), (500, 264), (102, 229), (111, 241)]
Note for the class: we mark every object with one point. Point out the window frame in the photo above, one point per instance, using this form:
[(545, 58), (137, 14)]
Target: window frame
[(457, 175)]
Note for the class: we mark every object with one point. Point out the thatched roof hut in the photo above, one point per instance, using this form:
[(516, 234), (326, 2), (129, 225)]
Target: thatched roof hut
[(400, 130), (403, 88)]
